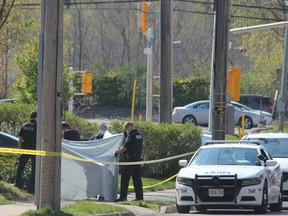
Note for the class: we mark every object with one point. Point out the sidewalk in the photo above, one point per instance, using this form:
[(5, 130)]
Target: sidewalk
[(19, 208)]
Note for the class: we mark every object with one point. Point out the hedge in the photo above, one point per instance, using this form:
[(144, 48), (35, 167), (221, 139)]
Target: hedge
[(116, 90), (162, 141)]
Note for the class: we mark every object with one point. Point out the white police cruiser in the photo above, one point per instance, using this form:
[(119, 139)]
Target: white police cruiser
[(229, 175), (277, 145)]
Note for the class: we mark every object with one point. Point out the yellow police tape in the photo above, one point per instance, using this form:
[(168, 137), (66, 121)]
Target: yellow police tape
[(45, 153), (150, 186), (55, 154)]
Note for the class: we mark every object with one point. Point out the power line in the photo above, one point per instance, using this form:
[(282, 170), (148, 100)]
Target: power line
[(234, 5), (233, 16), (176, 9), (137, 1)]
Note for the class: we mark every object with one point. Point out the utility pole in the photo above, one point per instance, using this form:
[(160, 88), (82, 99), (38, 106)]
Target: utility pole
[(222, 9), (165, 61), (281, 106), (51, 91)]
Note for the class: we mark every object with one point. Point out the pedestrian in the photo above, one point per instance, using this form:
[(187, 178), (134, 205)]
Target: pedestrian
[(70, 133), (103, 133), (131, 150), (27, 140)]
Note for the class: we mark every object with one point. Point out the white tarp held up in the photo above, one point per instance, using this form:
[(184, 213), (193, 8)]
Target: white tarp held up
[(82, 180)]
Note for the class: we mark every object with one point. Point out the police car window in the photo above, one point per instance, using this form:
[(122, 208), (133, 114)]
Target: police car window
[(282, 149), (271, 145), (225, 156), (206, 157)]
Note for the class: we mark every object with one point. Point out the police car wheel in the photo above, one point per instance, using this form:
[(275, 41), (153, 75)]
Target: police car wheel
[(277, 207), (262, 209), (182, 209)]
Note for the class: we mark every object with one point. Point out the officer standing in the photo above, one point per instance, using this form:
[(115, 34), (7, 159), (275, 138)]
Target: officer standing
[(131, 150), (27, 140)]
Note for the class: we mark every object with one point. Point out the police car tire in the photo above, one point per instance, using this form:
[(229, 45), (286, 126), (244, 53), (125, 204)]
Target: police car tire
[(200, 209), (262, 209), (277, 207), (182, 209)]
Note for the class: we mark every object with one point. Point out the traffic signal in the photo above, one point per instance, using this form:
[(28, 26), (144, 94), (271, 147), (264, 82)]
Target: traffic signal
[(86, 82), (144, 17)]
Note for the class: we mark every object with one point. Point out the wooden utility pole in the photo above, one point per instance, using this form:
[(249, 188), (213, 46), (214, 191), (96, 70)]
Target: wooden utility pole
[(222, 8), (165, 62), (51, 90)]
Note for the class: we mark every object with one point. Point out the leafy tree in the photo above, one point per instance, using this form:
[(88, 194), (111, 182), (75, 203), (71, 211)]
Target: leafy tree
[(263, 48), (27, 85), (13, 25)]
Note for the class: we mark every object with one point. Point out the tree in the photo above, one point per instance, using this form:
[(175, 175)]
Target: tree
[(14, 26), (263, 47)]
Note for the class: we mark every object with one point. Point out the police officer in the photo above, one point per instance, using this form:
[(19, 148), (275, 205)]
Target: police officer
[(131, 150), (27, 140), (70, 133)]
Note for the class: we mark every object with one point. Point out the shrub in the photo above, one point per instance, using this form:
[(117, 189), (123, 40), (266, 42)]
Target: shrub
[(162, 141), (13, 115)]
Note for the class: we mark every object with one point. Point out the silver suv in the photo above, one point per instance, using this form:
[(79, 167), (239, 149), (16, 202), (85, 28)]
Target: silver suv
[(277, 145)]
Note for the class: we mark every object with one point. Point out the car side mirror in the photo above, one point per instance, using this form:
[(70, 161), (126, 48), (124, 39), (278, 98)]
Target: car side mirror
[(182, 163), (271, 163)]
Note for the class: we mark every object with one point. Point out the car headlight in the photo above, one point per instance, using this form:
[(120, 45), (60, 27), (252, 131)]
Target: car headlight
[(251, 181), (184, 181)]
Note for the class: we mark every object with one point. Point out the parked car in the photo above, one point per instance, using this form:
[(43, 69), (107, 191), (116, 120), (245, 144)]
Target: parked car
[(267, 116), (198, 113), (205, 137), (277, 145), (229, 175), (257, 102), (8, 141)]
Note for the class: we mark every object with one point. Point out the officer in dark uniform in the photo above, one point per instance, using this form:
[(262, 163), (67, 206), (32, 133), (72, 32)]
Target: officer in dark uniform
[(70, 133), (27, 140), (131, 150)]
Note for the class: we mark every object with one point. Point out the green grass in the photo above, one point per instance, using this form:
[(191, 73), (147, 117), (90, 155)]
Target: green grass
[(9, 192), (90, 207), (151, 184)]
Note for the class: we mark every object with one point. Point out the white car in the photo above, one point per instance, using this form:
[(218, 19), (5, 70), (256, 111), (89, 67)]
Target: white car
[(198, 113), (229, 175), (267, 116), (277, 145)]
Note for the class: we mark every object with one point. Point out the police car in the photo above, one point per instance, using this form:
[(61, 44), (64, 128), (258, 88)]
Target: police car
[(277, 145), (229, 175)]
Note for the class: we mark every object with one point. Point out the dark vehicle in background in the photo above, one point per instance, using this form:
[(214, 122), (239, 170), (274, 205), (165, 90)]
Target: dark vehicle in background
[(8, 141), (257, 102)]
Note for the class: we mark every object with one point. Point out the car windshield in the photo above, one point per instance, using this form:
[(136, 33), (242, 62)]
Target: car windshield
[(278, 148), (226, 156)]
